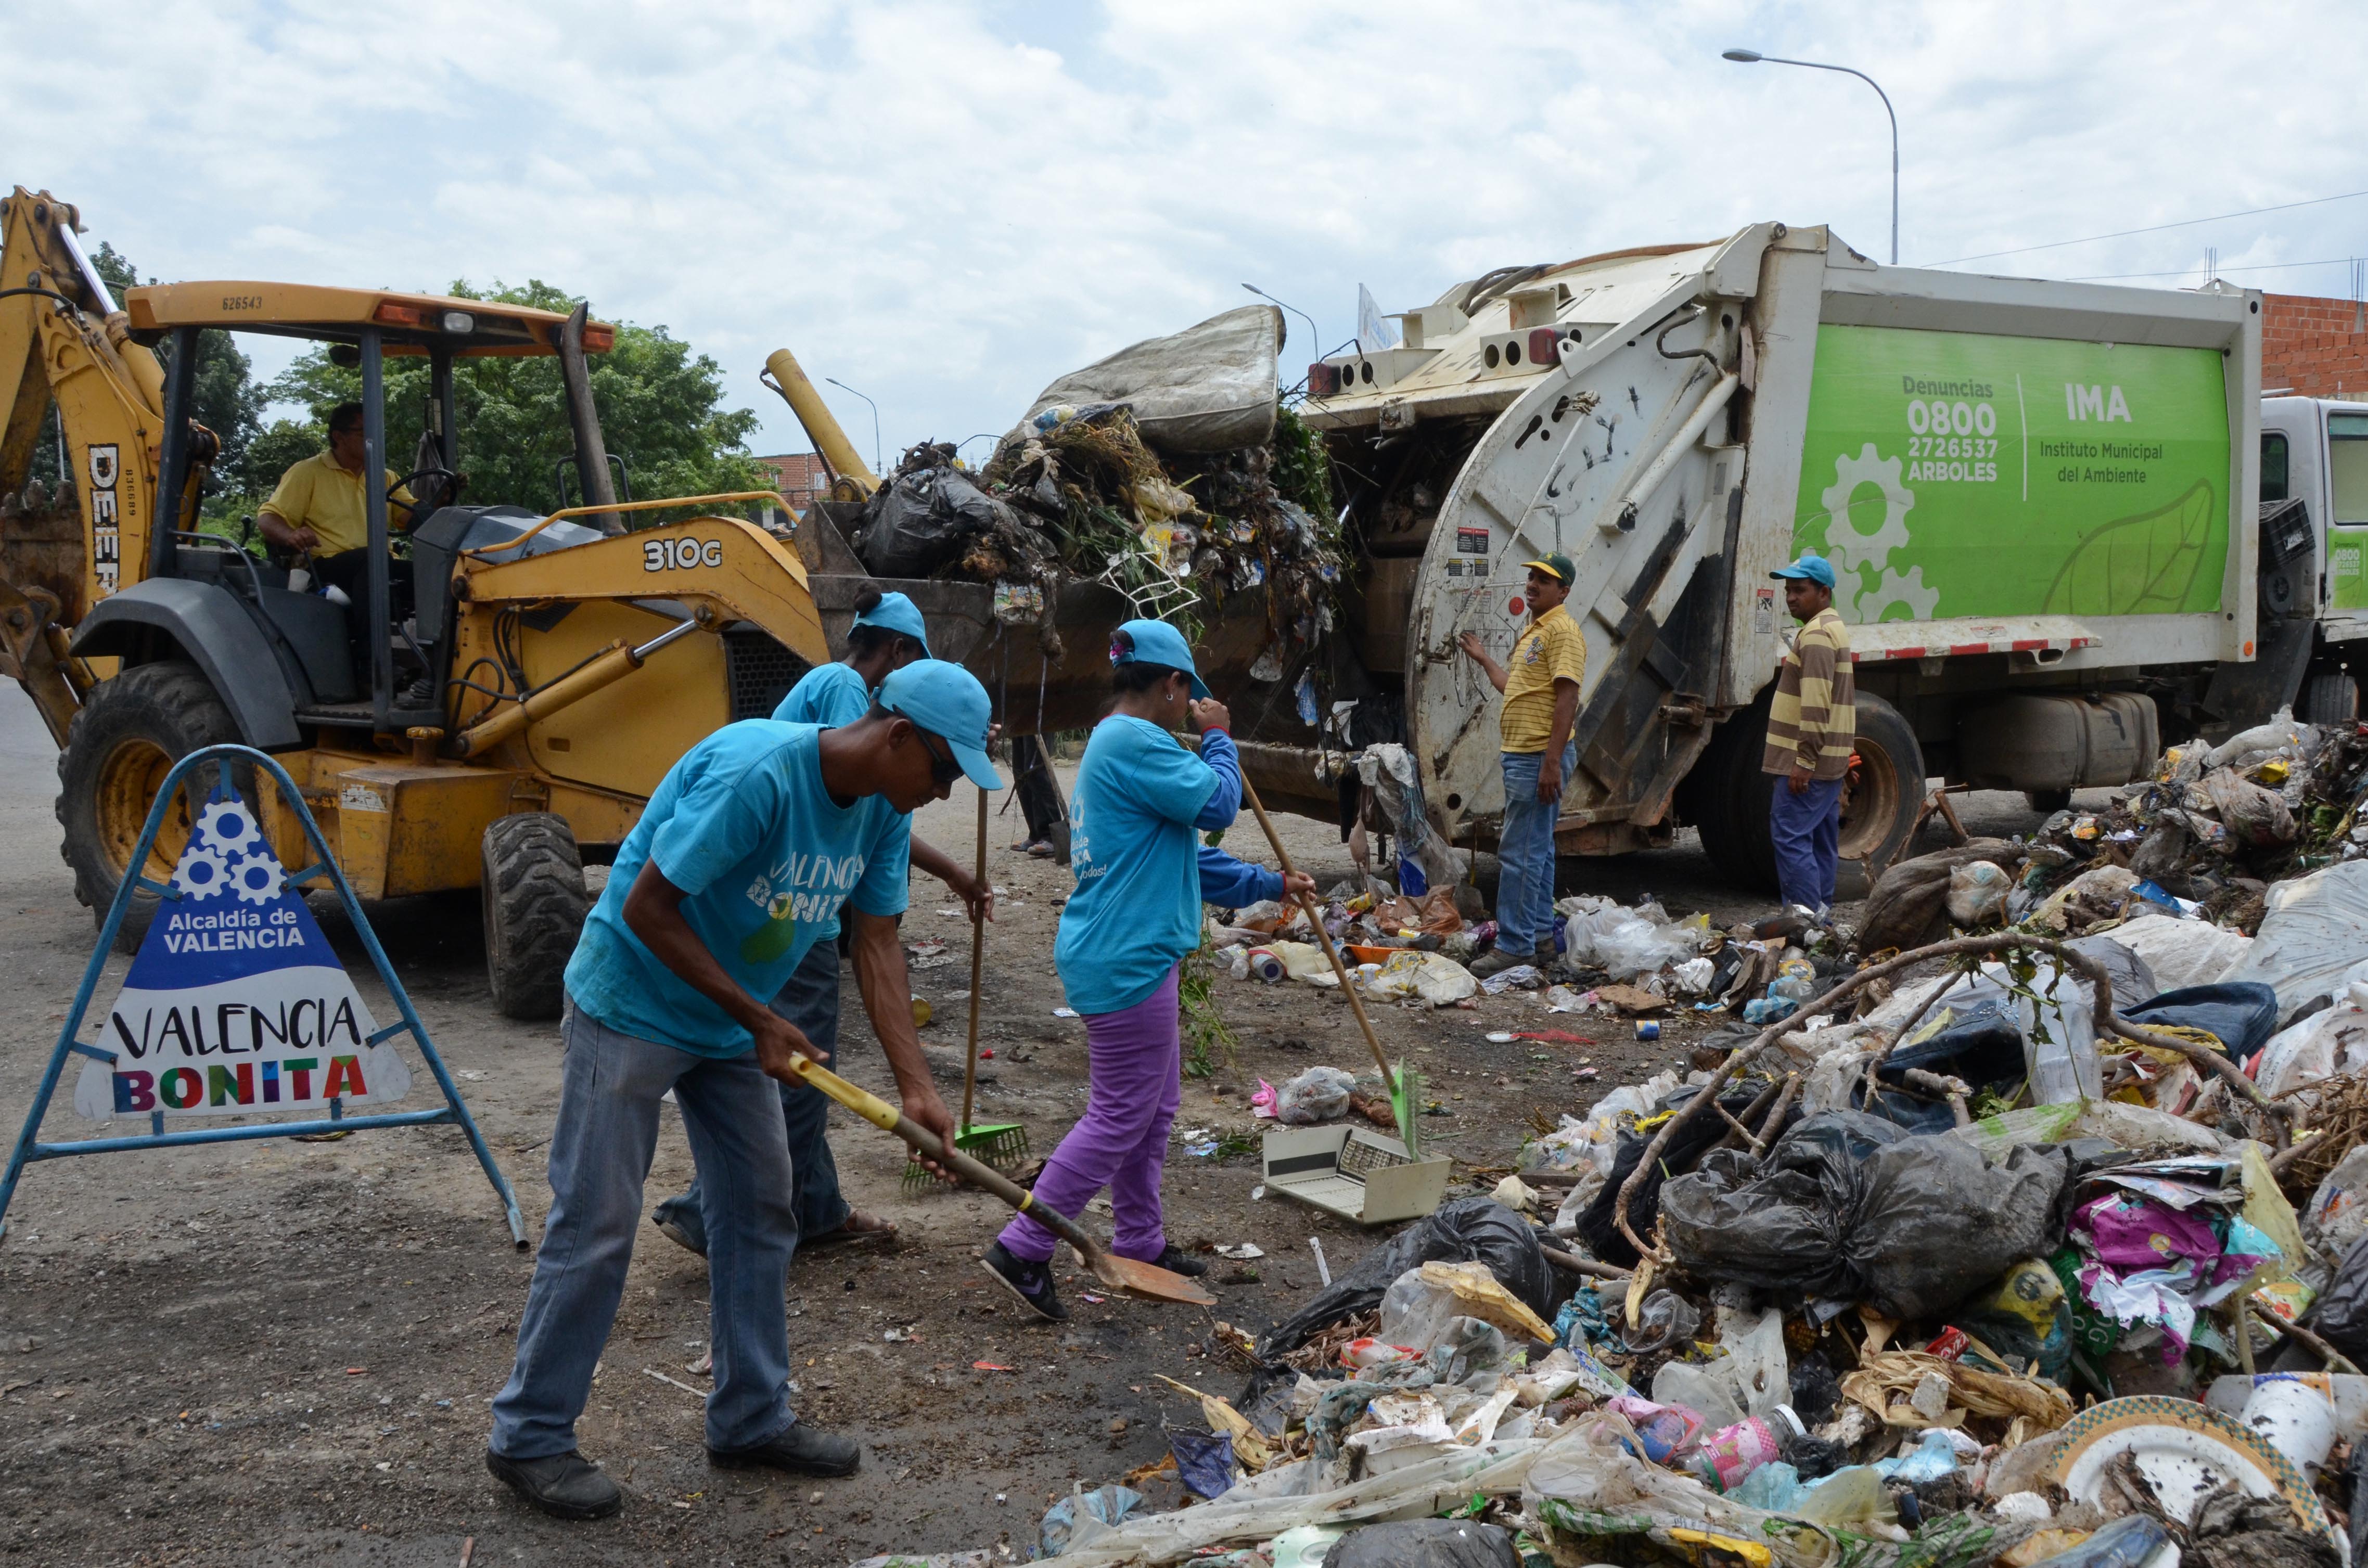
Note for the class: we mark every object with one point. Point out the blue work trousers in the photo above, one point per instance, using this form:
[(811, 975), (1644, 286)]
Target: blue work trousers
[(1525, 853), (1806, 830), (810, 1000), (611, 1084)]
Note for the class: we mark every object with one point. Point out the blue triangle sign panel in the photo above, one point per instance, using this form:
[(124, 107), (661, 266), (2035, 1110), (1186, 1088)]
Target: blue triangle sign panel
[(235, 1003)]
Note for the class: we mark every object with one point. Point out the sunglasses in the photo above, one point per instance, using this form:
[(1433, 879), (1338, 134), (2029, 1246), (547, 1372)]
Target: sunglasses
[(944, 766)]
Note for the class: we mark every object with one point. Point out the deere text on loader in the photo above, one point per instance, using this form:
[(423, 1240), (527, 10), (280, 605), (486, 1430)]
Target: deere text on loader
[(502, 702)]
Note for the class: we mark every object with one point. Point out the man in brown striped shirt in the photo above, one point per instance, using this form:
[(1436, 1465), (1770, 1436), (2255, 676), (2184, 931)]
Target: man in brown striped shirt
[(1811, 730)]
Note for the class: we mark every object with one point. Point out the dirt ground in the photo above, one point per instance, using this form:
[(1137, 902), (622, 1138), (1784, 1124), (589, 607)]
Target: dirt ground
[(275, 1352)]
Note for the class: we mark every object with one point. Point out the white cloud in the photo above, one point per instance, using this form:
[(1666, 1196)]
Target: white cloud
[(947, 205)]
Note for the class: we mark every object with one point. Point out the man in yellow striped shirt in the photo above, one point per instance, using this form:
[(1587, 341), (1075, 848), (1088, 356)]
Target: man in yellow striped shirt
[(1812, 729)]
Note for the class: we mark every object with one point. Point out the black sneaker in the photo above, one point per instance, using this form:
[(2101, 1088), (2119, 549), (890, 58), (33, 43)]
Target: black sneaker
[(1176, 1260), (799, 1449), (1032, 1282), (566, 1487)]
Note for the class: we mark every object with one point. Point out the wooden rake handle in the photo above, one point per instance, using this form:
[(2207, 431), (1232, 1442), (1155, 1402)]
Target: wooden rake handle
[(977, 953), (880, 1113), (1316, 918)]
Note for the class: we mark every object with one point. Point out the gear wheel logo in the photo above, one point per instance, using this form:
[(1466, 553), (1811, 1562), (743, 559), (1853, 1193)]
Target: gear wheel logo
[(1847, 548), (203, 872), (1897, 589), (257, 880), (229, 826)]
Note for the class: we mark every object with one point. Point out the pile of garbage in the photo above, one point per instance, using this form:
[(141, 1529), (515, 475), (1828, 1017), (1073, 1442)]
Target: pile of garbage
[(2030, 1248), (1170, 471), (2204, 838)]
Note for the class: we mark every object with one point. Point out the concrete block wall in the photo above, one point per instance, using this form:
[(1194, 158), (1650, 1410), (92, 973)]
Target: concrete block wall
[(2314, 348)]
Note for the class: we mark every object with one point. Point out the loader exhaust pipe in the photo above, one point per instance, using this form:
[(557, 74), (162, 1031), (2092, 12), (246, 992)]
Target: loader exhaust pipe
[(583, 422), (839, 455), (613, 663)]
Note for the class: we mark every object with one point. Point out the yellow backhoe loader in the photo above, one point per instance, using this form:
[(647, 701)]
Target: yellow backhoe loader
[(500, 703)]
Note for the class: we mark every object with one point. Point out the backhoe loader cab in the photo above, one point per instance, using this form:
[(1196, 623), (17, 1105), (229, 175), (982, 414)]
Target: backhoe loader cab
[(496, 710)]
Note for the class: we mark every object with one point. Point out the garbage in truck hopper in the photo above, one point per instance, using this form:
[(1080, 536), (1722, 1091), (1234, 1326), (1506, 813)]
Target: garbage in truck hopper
[(1170, 471)]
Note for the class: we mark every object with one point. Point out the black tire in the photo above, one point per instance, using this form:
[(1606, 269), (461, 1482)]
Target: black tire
[(534, 905), (2330, 697), (2048, 803), (125, 739), (1878, 809)]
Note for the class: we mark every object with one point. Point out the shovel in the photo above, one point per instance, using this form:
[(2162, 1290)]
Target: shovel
[(1402, 1093), (1143, 1280)]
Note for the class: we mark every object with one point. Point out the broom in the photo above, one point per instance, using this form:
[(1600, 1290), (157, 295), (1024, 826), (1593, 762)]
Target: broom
[(1001, 1145)]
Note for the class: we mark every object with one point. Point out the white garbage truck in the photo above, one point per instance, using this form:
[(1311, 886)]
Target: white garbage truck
[(2065, 526)]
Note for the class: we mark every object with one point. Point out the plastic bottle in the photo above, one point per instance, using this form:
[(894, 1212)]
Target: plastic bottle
[(1264, 964), (1732, 1453)]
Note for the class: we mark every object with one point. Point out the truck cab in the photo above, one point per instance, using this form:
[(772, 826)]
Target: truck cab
[(2314, 457)]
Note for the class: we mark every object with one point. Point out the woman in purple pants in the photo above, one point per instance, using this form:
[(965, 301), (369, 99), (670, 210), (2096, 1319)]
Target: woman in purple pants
[(1136, 913)]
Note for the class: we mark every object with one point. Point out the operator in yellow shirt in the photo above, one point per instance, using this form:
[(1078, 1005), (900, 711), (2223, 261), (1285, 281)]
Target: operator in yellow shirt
[(1541, 704), (319, 508)]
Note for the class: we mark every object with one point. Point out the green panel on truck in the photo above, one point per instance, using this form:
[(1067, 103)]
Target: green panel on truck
[(1950, 474)]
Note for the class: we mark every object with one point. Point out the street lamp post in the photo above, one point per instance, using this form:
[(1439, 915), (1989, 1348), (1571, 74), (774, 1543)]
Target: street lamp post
[(878, 467), (1752, 57)]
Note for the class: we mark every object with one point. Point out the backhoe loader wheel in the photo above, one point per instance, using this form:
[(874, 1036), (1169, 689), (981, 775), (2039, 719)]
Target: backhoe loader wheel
[(535, 904), (1726, 798), (123, 742)]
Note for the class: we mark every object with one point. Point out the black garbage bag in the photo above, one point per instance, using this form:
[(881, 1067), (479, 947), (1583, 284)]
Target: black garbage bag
[(2243, 1014), (1597, 1227), (1938, 1221), (1849, 1206), (921, 520), (1424, 1543), (1778, 1226), (2341, 1313), (1983, 1047), (1470, 1230)]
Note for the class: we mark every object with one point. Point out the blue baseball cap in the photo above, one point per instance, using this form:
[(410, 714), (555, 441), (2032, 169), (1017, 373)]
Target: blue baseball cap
[(1808, 569), (1156, 643), (896, 613), (946, 700)]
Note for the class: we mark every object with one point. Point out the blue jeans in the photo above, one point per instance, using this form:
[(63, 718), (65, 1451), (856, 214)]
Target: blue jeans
[(809, 1000), (610, 1086), (1525, 854), (1806, 830)]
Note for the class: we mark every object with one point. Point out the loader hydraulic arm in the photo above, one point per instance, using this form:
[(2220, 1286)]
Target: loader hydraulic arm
[(63, 339)]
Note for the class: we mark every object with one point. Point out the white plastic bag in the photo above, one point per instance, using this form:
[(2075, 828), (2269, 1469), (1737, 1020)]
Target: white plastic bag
[(1318, 1094), (2180, 952), (1977, 892), (2314, 929), (2337, 1215), (1636, 946), (1592, 918)]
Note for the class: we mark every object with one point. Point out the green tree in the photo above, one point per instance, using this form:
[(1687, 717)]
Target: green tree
[(658, 405), (227, 398)]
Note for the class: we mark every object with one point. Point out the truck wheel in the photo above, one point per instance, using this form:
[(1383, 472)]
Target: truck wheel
[(534, 905), (1882, 797), (2330, 698), (122, 743), (2048, 803), (1725, 796), (1879, 804)]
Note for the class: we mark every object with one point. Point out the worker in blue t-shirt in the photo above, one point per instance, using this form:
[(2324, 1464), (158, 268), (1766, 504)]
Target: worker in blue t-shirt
[(1140, 879), (888, 634), (739, 866)]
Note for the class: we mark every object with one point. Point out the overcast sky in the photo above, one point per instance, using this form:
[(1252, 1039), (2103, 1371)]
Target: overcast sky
[(947, 205)]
